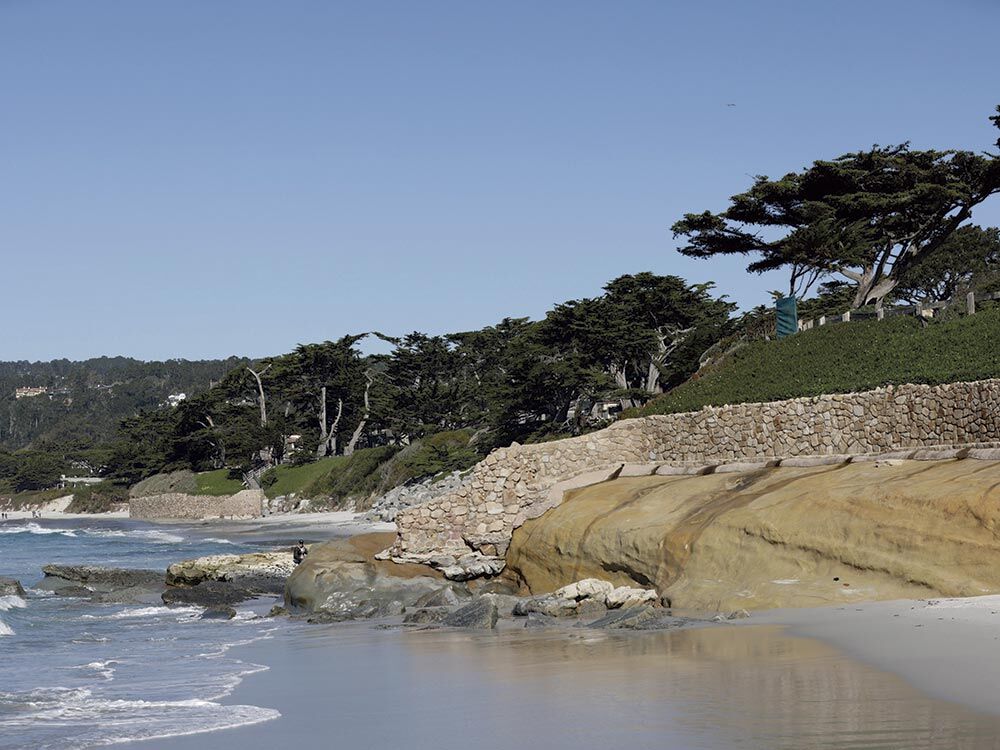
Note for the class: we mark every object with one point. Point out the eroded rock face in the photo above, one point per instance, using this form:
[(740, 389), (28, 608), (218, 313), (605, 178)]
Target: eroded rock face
[(776, 537), (342, 580), (10, 587), (263, 572)]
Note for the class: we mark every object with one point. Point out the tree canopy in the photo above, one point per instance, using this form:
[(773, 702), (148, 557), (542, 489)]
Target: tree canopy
[(868, 216)]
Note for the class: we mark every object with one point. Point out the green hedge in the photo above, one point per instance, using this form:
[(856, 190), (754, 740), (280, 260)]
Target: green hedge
[(843, 358)]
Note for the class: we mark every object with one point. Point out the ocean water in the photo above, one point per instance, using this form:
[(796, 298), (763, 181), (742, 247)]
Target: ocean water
[(76, 674)]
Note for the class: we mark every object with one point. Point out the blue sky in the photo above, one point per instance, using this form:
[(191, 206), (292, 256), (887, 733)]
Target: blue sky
[(197, 179)]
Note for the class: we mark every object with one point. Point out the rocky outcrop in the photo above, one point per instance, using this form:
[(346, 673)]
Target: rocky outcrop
[(100, 584), (467, 532), (776, 537), (207, 594), (263, 572), (342, 580), (11, 587)]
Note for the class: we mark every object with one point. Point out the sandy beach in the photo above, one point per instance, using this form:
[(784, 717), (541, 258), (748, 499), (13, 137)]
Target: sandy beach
[(760, 684)]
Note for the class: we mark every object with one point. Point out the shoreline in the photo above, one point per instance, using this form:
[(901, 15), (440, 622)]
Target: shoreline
[(941, 651), (829, 650)]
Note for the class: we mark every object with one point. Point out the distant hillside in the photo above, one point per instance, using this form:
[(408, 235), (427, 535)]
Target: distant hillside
[(68, 402), (843, 358)]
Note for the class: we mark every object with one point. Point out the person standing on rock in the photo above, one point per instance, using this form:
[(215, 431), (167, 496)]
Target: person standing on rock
[(299, 553)]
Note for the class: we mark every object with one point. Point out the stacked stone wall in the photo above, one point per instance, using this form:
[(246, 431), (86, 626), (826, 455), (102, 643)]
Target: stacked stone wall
[(177, 505), (514, 484)]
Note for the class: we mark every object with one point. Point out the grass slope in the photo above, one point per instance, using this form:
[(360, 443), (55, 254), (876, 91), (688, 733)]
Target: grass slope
[(217, 483), (844, 358)]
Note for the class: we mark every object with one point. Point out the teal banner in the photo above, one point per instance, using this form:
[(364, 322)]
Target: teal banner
[(788, 316)]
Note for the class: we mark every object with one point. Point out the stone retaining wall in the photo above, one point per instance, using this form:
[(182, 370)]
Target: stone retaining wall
[(467, 532), (177, 505)]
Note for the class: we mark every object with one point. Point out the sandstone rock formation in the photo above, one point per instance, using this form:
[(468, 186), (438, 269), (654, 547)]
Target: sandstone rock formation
[(776, 537), (467, 532)]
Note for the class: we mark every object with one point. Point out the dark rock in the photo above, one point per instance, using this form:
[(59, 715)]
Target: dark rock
[(365, 609), (481, 613), (130, 595), (219, 612), (207, 594), (590, 607), (427, 615), (104, 577), (497, 587), (11, 587), (446, 596), (546, 605), (538, 620), (277, 611), (81, 592), (632, 618)]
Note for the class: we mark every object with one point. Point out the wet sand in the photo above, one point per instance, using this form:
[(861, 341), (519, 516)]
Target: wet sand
[(747, 686)]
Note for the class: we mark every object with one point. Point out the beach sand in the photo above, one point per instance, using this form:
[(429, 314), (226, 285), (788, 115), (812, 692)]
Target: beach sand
[(819, 678)]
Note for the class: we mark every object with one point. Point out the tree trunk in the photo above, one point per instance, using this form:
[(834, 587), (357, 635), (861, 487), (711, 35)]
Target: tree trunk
[(260, 389), (349, 448), (618, 373), (869, 290), (653, 379), (328, 435), (321, 448)]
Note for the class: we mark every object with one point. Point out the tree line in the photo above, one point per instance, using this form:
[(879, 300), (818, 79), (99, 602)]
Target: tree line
[(514, 381), (869, 228)]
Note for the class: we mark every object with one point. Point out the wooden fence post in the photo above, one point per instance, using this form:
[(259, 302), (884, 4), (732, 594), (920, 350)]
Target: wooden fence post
[(880, 314), (970, 303), (846, 317)]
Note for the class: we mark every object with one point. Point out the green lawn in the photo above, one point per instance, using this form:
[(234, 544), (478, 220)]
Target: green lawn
[(843, 358), (217, 483), (286, 479)]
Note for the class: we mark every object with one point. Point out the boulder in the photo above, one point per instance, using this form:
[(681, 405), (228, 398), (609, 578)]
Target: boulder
[(633, 618), (588, 588), (218, 612), (342, 580), (446, 596), (552, 606), (426, 615), (207, 594), (277, 611), (626, 596), (481, 613), (11, 587), (538, 620)]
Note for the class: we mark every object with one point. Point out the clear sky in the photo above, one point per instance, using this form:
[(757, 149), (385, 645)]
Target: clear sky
[(197, 179)]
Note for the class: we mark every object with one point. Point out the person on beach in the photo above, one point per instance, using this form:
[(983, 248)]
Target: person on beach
[(299, 553)]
